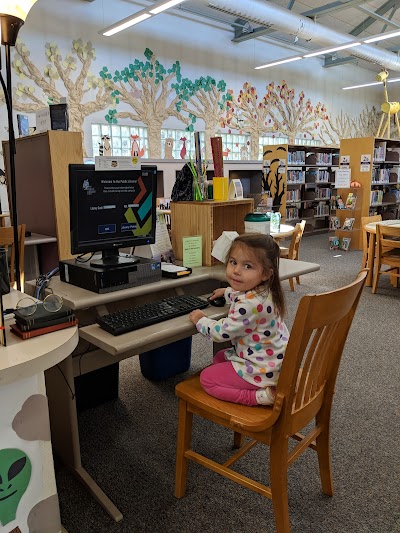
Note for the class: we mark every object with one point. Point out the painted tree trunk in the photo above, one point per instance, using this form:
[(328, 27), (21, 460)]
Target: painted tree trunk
[(154, 139)]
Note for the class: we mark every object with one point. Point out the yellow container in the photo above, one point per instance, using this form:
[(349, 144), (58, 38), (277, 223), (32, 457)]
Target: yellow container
[(220, 188)]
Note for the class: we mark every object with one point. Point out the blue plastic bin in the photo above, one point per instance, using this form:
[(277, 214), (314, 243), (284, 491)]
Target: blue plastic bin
[(167, 361)]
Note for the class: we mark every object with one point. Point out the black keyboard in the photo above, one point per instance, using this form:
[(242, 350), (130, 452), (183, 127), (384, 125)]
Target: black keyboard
[(151, 313)]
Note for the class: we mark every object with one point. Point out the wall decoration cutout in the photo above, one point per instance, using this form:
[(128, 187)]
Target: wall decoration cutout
[(15, 474), (136, 151), (201, 99), (44, 517), (146, 88), (273, 181), (32, 421), (168, 147), (67, 76), (248, 113), (183, 149), (294, 116)]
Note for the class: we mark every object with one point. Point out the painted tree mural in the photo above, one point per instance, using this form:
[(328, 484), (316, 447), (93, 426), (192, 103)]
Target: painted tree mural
[(62, 77), (201, 99), (247, 113), (293, 116), (334, 129), (366, 123), (146, 87)]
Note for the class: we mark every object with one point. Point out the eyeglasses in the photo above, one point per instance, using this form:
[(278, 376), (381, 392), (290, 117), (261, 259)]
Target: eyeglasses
[(27, 306)]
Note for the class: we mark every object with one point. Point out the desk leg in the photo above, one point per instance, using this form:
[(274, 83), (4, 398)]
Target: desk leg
[(371, 259), (65, 432)]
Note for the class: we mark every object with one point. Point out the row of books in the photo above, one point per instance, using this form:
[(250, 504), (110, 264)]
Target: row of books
[(318, 176), (42, 321), (376, 197), (339, 244), (296, 176), (293, 195), (297, 157)]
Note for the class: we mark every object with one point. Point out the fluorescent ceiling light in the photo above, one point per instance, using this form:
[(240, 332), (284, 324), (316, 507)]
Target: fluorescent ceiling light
[(369, 84), (382, 37), (279, 62), (330, 50), (139, 16), (128, 22), (164, 6)]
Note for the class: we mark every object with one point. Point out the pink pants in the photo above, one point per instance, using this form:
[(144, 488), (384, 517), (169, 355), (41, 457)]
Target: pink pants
[(221, 381)]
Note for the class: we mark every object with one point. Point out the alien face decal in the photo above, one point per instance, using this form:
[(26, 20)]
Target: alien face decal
[(15, 474)]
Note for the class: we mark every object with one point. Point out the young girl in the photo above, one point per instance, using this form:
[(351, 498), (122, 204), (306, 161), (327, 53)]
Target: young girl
[(248, 372)]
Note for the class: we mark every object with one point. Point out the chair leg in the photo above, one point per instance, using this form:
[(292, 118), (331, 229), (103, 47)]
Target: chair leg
[(376, 278), (185, 420), (278, 483), (324, 461), (291, 284), (238, 440), (298, 280)]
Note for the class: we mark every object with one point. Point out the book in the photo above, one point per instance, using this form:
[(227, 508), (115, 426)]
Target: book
[(41, 315), (50, 322), (40, 331), (340, 203), (345, 243), (334, 243), (334, 223), (23, 125), (348, 224), (351, 201)]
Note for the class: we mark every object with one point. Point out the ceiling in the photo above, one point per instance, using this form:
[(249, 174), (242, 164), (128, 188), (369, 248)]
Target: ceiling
[(357, 18)]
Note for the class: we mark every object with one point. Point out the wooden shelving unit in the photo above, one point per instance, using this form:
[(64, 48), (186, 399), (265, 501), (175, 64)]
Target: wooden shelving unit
[(42, 186), (379, 178), (208, 219), (300, 179)]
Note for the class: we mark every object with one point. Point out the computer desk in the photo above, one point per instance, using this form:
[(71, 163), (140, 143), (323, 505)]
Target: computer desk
[(87, 305)]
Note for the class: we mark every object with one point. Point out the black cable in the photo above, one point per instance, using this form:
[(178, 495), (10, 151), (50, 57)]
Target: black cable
[(66, 381), (80, 357), (79, 258)]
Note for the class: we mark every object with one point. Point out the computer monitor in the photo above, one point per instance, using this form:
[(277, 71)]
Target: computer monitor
[(111, 209)]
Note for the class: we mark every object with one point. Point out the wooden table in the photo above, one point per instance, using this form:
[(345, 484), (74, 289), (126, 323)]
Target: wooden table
[(285, 231), (371, 229), (24, 415)]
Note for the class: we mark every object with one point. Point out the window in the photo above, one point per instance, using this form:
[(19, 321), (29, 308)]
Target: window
[(120, 138), (175, 148), (264, 141), (235, 146)]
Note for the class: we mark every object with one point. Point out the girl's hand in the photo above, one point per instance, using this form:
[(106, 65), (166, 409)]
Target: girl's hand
[(217, 293), (195, 316)]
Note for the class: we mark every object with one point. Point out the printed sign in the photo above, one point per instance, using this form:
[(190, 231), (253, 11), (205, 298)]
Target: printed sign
[(342, 178)]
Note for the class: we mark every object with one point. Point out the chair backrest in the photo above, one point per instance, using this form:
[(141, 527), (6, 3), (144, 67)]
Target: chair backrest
[(7, 241), (296, 240), (367, 220), (387, 239), (310, 366)]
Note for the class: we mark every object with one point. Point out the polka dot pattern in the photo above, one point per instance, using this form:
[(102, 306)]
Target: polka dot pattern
[(258, 336)]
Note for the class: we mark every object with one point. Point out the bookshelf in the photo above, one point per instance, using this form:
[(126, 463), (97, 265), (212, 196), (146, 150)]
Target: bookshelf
[(379, 179), (300, 179)]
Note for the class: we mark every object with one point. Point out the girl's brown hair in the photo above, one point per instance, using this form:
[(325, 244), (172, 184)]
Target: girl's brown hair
[(267, 252)]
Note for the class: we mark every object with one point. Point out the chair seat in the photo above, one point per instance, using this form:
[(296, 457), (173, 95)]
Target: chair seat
[(192, 392)]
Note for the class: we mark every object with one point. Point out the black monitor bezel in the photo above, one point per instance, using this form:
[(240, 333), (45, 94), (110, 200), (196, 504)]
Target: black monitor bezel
[(106, 244)]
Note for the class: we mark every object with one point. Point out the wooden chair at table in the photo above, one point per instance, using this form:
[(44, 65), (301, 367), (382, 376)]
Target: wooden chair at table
[(366, 236), (7, 241), (304, 393), (387, 253), (293, 251)]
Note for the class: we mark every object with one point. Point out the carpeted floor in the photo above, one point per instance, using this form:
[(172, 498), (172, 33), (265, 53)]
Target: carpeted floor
[(128, 445)]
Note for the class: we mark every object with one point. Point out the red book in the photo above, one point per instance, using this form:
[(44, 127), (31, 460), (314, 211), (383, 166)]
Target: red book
[(40, 331)]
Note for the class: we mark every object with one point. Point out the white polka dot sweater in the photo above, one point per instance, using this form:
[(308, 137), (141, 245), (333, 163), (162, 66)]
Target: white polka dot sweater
[(258, 336)]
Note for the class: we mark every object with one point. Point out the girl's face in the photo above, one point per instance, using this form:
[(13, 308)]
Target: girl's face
[(244, 272)]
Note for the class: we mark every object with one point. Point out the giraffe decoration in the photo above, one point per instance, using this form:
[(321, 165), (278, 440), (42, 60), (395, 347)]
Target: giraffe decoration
[(388, 109)]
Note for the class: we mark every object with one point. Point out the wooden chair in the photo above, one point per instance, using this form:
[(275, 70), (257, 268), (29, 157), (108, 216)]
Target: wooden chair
[(304, 393), (7, 241), (387, 253), (293, 251), (365, 236)]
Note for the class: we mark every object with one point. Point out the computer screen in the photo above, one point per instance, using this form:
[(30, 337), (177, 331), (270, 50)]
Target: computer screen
[(111, 209)]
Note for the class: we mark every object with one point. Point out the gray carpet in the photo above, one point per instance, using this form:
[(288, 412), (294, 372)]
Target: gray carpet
[(128, 445)]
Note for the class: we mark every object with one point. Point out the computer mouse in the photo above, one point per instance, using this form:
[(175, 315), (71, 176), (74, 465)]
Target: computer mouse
[(217, 302)]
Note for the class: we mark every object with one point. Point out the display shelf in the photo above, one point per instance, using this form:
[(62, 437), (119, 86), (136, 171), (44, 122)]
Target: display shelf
[(208, 219), (383, 155)]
